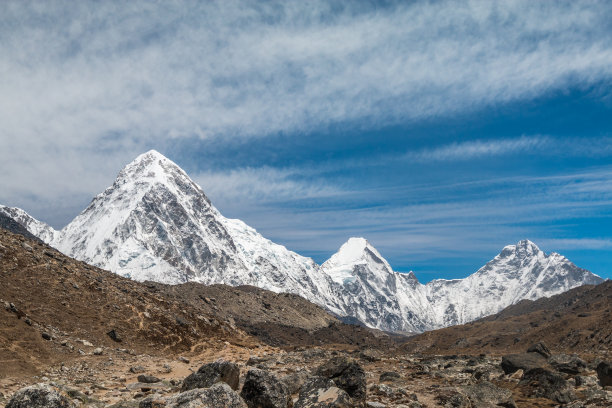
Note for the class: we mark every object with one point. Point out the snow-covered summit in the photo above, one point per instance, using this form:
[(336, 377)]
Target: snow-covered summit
[(355, 251)]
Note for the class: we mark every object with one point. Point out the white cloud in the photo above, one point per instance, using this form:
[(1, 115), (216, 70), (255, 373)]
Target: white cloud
[(479, 148), (236, 189)]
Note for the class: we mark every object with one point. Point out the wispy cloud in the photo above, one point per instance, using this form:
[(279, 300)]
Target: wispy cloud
[(81, 74), (574, 244), (480, 148), (234, 189)]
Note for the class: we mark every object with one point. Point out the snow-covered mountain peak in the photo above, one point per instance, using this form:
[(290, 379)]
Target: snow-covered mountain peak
[(355, 252), (522, 250), (152, 167)]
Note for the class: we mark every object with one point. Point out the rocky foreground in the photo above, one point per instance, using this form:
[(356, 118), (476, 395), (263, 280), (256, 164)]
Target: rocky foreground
[(230, 376), (72, 335)]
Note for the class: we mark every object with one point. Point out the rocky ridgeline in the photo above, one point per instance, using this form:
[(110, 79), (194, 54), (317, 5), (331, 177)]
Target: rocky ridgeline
[(319, 378)]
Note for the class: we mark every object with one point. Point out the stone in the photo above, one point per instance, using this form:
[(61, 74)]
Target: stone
[(518, 374), (137, 369), (604, 373), (114, 336), (320, 392), (524, 361), (183, 360), (389, 376), (212, 373), (375, 404), (219, 395), (296, 380), (540, 348), (148, 379), (98, 351), (40, 396), (347, 374), (486, 394), (46, 336), (567, 364), (262, 389), (547, 384)]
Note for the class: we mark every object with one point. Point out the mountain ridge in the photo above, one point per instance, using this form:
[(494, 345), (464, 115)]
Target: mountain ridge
[(155, 223)]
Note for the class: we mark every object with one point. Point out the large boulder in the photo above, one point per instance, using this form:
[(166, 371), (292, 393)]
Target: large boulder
[(540, 348), (604, 373), (40, 396), (219, 395), (212, 373), (485, 395), (262, 389), (544, 383), (568, 364), (320, 392), (523, 361), (296, 380), (348, 375)]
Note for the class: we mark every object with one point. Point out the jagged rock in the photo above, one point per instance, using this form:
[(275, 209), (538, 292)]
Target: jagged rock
[(382, 389), (541, 349), (485, 394), (547, 384), (450, 398), (320, 392), (114, 336), (585, 381), (370, 355), (296, 380), (347, 374), (40, 396), (604, 373), (525, 361), (212, 373), (148, 379), (262, 389), (389, 376), (219, 395), (568, 364)]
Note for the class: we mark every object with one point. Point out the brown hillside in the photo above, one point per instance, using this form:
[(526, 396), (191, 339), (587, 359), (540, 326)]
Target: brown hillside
[(579, 320)]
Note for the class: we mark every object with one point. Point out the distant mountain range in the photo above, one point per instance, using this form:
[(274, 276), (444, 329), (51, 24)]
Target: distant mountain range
[(155, 223)]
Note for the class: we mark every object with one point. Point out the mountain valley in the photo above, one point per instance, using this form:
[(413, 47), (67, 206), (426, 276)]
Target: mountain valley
[(154, 223)]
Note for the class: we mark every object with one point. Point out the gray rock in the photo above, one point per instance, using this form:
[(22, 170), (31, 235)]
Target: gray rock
[(114, 336), (40, 396), (389, 376), (137, 369), (540, 348), (564, 363), (262, 389), (296, 380), (347, 374), (604, 373), (547, 384), (212, 373), (148, 379), (320, 392), (219, 395), (485, 394), (524, 361)]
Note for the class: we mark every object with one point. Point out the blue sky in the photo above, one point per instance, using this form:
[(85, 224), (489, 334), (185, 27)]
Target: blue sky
[(440, 131)]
